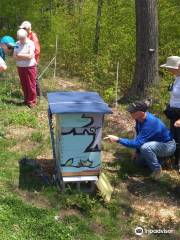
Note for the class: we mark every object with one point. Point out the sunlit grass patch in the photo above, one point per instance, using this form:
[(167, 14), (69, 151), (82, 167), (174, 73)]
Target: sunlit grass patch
[(19, 220), (29, 206), (37, 137), (25, 118)]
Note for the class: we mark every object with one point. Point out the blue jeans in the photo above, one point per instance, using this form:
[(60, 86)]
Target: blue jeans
[(150, 151)]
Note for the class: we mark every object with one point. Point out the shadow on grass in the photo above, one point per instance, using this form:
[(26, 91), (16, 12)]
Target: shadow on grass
[(35, 174), (162, 188), (140, 185), (138, 179), (124, 166), (14, 102)]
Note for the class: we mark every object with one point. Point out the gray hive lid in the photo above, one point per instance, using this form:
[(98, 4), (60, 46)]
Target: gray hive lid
[(77, 102)]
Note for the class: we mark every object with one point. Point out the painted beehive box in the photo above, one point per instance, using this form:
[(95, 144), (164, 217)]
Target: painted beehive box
[(79, 121)]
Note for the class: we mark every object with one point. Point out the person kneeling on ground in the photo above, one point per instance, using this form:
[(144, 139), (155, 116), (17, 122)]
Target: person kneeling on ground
[(153, 138)]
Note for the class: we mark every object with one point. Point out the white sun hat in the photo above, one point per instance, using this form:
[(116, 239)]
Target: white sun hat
[(21, 33), (172, 62), (25, 25)]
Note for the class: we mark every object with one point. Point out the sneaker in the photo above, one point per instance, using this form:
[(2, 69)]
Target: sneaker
[(156, 174), (31, 105), (178, 168)]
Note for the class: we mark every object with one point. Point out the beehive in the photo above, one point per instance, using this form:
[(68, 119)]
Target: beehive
[(79, 120)]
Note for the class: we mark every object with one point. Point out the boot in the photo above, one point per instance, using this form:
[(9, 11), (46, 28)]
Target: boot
[(156, 174)]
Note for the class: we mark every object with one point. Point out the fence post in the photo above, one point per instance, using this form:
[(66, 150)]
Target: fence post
[(117, 82), (55, 60)]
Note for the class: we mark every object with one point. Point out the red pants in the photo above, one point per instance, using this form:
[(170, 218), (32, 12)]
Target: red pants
[(27, 77)]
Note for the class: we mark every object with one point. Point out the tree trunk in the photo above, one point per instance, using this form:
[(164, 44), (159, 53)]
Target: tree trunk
[(97, 31), (146, 68)]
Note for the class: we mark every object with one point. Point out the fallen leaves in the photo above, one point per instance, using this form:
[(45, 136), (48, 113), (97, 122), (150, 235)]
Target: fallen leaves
[(156, 210)]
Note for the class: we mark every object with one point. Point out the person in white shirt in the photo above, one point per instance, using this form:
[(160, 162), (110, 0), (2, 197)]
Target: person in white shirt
[(173, 110), (24, 54)]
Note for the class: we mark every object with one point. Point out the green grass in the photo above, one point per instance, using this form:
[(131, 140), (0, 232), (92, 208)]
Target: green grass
[(19, 220), (28, 206)]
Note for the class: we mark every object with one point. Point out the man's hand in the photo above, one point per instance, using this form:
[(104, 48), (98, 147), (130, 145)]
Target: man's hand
[(177, 123), (3, 68), (25, 56), (112, 138)]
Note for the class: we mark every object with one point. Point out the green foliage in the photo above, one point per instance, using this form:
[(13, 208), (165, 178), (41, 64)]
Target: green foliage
[(80, 201), (37, 137), (109, 94), (21, 221), (73, 22), (23, 118), (75, 28), (169, 33), (28, 206)]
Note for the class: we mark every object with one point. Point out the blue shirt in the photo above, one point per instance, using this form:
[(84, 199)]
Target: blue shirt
[(2, 54), (151, 129)]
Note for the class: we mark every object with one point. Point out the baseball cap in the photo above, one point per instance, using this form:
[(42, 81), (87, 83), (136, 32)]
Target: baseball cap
[(8, 41), (25, 25), (137, 106)]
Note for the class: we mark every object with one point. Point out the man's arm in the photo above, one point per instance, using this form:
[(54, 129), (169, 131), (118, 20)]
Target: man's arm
[(25, 56), (17, 57), (3, 68), (3, 65), (36, 43), (143, 137)]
